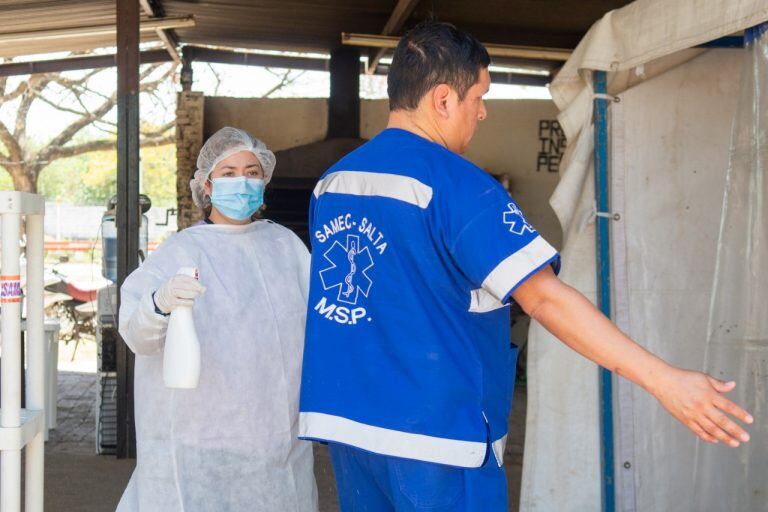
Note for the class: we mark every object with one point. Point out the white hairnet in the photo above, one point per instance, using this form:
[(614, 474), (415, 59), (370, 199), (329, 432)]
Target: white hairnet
[(223, 144)]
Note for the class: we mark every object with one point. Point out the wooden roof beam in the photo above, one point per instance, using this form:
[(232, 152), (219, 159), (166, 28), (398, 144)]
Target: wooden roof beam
[(168, 37), (499, 77), (76, 63), (397, 19), (106, 30), (215, 55), (494, 50)]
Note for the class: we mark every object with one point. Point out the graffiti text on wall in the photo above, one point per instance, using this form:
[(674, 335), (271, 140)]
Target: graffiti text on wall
[(551, 146)]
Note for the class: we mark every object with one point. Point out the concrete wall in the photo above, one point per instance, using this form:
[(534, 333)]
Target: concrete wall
[(282, 123), (508, 143), (76, 222)]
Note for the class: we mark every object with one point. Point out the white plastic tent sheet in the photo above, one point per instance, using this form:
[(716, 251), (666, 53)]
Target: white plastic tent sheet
[(674, 156), (641, 40), (669, 145), (737, 346)]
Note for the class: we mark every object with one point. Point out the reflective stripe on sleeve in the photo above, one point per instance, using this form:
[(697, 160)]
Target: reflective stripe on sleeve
[(509, 274)]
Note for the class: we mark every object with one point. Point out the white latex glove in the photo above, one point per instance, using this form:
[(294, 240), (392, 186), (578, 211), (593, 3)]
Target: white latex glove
[(178, 291)]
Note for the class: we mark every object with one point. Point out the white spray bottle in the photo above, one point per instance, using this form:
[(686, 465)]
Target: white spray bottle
[(181, 358)]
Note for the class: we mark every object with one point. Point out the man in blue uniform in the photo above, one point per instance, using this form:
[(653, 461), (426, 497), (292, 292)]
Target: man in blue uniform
[(408, 367)]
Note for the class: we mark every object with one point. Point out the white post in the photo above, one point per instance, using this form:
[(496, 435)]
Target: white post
[(53, 389), (10, 368), (36, 363), (58, 221)]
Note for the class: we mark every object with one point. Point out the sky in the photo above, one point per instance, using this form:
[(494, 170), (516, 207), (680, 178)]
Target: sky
[(213, 79)]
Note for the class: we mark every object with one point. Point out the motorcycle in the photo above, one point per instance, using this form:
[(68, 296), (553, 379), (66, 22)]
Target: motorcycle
[(73, 306)]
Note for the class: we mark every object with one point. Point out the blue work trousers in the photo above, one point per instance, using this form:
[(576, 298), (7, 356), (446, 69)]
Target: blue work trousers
[(368, 482)]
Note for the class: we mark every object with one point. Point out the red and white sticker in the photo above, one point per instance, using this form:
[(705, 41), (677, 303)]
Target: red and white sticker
[(10, 289)]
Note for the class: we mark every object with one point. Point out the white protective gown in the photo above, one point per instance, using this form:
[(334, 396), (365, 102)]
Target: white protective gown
[(231, 444)]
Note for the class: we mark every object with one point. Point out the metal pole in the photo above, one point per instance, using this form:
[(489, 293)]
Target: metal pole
[(10, 367), (344, 102), (128, 212), (36, 364), (604, 287), (74, 63)]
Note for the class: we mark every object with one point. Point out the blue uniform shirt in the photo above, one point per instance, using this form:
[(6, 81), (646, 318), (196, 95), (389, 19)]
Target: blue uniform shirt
[(415, 252)]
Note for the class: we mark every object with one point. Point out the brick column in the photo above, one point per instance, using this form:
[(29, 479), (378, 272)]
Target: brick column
[(189, 140)]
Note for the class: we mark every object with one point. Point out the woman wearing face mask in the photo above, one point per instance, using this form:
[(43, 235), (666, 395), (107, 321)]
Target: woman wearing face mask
[(231, 443)]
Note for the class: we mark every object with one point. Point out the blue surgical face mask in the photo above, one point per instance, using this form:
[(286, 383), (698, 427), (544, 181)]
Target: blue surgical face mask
[(237, 198)]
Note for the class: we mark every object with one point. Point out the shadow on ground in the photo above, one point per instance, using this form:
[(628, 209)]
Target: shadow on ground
[(77, 480)]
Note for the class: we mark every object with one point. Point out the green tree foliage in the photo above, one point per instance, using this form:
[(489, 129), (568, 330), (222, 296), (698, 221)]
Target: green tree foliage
[(90, 179), (158, 175), (6, 183)]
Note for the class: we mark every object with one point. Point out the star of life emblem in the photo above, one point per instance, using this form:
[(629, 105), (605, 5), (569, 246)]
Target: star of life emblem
[(515, 220), (347, 270)]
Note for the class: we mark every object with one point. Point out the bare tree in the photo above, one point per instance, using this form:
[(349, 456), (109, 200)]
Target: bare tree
[(85, 104), (286, 78)]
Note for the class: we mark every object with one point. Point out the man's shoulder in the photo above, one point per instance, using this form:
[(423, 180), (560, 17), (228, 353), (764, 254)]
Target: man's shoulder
[(458, 178), (378, 159), (407, 154)]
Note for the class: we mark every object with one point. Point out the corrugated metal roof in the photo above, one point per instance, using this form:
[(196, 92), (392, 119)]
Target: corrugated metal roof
[(307, 24), (283, 24), (21, 16)]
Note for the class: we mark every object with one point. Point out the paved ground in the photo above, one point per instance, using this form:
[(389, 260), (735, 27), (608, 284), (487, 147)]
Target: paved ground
[(76, 421), (77, 480)]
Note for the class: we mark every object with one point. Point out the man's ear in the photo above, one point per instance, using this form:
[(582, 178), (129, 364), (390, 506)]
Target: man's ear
[(440, 97)]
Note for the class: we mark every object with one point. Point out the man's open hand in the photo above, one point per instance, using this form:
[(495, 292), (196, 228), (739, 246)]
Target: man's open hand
[(697, 401), (693, 398)]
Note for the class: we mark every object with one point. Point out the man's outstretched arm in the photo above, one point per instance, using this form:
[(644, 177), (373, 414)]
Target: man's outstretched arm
[(694, 398)]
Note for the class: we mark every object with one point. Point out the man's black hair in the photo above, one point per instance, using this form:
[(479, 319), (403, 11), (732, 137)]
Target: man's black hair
[(430, 54)]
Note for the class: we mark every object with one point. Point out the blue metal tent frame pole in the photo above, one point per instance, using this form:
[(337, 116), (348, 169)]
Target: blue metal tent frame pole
[(602, 237)]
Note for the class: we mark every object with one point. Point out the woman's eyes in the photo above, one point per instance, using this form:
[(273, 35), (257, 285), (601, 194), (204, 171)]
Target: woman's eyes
[(255, 173)]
